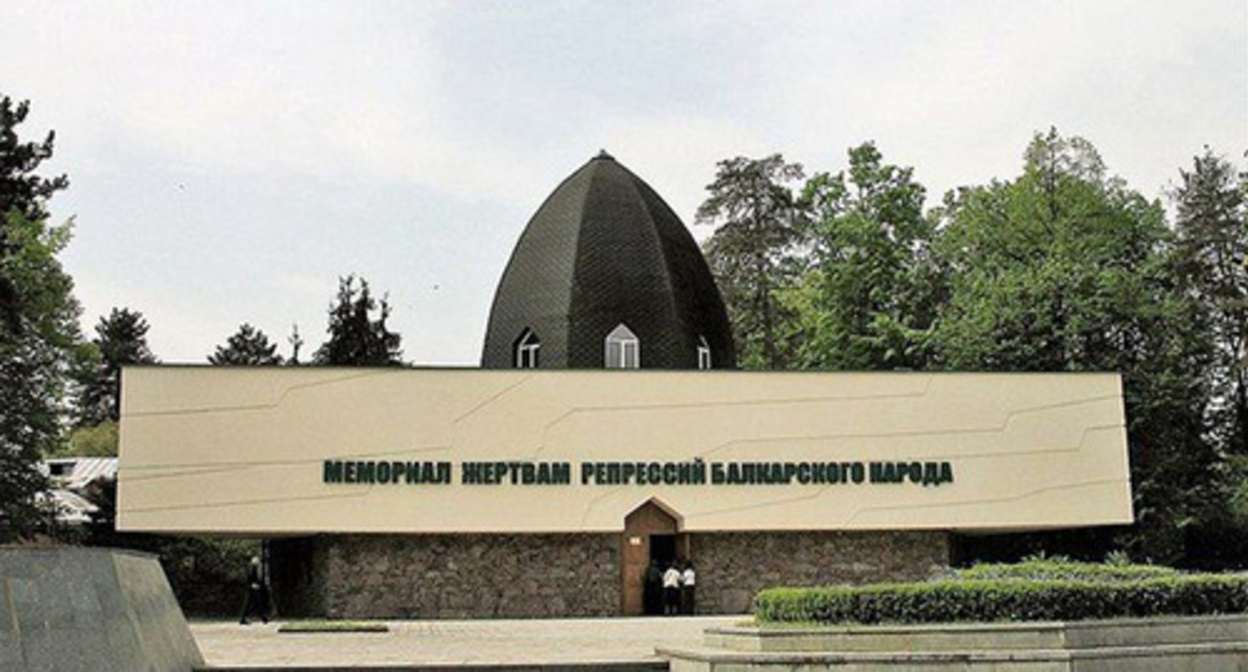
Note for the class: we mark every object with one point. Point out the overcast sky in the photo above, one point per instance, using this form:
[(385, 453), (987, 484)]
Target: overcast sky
[(230, 160)]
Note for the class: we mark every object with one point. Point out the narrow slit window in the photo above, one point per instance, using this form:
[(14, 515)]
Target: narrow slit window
[(528, 350)]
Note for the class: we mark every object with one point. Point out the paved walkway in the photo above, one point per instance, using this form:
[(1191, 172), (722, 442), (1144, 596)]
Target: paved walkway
[(455, 642)]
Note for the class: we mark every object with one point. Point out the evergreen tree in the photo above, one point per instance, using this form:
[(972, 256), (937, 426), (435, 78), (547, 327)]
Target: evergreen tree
[(21, 190), (249, 346), (1211, 257), (296, 344), (752, 252), (356, 338), (120, 339)]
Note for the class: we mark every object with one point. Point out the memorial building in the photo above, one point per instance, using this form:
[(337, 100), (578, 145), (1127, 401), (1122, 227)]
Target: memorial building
[(605, 430)]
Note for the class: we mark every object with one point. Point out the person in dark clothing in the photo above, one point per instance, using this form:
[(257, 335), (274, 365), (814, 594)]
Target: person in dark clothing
[(654, 589), (257, 593)]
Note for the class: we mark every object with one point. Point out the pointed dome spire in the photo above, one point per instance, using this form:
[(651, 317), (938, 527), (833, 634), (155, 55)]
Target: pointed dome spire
[(604, 250)]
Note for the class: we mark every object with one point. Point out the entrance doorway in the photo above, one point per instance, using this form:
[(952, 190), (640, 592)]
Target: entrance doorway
[(662, 549), (651, 536)]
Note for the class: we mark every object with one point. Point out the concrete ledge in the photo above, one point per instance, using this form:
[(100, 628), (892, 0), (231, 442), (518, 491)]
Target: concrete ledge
[(1172, 658), (640, 666), (1212, 643), (1064, 635)]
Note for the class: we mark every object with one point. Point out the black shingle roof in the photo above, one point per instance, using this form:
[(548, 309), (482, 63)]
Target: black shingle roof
[(605, 249)]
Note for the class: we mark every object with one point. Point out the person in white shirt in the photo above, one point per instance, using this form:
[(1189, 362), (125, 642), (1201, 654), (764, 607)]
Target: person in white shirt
[(688, 580), (671, 590)]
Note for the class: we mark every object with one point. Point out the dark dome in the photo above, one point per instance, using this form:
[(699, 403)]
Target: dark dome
[(605, 250)]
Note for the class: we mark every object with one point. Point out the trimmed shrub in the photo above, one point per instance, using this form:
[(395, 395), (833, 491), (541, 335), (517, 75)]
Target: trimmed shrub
[(1061, 569), (1005, 600)]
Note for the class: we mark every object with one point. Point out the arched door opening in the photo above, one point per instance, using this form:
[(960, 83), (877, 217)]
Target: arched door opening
[(651, 536)]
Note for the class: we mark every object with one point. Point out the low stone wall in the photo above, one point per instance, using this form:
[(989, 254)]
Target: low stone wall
[(1167, 644), (733, 567), (469, 575), (88, 609)]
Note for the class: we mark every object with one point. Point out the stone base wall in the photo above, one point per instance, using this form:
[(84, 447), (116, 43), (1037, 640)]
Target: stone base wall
[(569, 575), (469, 575), (732, 567)]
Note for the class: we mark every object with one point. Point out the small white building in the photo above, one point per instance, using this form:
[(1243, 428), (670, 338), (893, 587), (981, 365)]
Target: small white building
[(71, 478)]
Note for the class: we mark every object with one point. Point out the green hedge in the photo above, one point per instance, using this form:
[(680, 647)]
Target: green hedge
[(1005, 600), (1061, 569)]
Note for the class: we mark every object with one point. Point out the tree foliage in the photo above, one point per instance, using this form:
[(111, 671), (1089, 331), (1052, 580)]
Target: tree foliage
[(38, 325), (1061, 268), (21, 190), (37, 352), (752, 252), (1211, 261), (295, 341), (247, 347), (356, 338), (95, 441), (1065, 269), (20, 187), (120, 339), (873, 289)]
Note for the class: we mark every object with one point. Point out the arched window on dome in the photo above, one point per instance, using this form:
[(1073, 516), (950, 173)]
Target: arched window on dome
[(528, 348), (623, 349), (704, 354)]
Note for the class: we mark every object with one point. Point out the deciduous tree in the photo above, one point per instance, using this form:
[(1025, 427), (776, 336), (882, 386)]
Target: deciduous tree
[(872, 292), (38, 325), (37, 350), (1065, 269)]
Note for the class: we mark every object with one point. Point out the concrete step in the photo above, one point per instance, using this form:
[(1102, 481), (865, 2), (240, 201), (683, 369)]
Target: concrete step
[(606, 666)]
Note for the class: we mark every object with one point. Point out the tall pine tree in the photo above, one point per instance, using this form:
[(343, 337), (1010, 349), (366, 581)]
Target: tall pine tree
[(1211, 257), (356, 337), (759, 228), (120, 339), (247, 347)]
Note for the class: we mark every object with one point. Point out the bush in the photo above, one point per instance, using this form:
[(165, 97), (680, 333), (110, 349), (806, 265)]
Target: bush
[(1062, 569), (983, 600)]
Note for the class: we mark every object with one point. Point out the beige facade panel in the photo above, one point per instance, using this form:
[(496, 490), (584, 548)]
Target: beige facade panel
[(304, 450)]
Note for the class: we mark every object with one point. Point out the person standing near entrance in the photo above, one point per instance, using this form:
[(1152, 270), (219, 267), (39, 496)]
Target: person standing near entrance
[(654, 589), (257, 593), (688, 581), (671, 590)]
